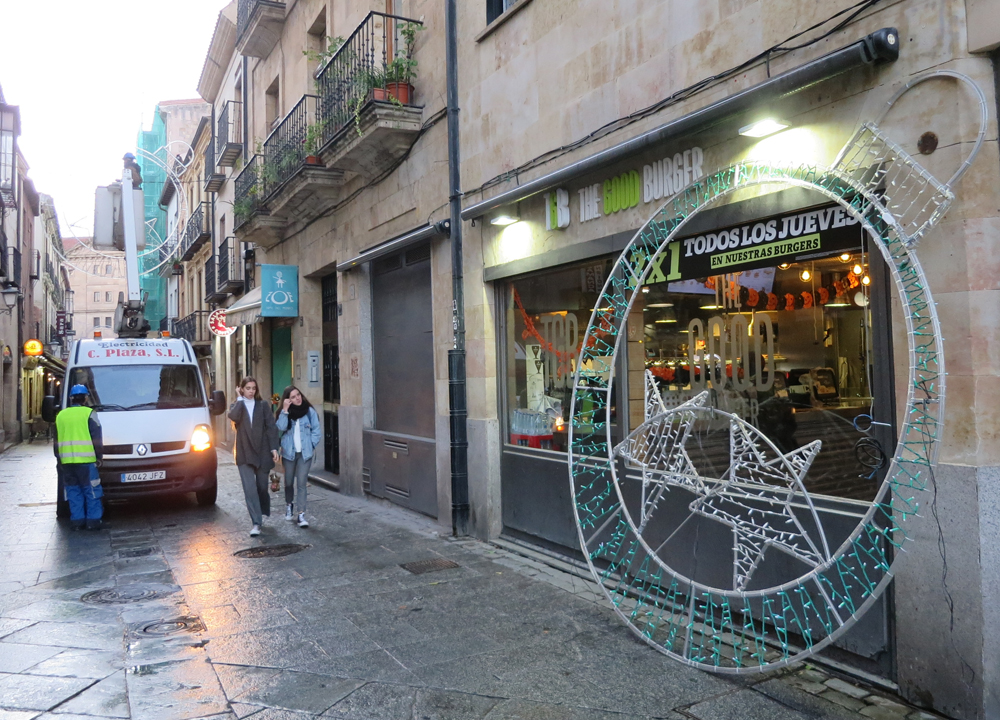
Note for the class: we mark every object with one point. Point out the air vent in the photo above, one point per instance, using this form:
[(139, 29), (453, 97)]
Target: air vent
[(418, 254), (117, 449), (167, 446), (388, 264)]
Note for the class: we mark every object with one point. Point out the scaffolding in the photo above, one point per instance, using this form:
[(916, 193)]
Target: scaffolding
[(152, 143)]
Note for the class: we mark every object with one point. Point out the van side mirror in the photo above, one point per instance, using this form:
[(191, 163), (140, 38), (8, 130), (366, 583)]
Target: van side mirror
[(217, 403), (50, 406)]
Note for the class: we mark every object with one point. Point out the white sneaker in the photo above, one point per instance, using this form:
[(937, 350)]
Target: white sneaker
[(302, 520), (289, 516), (255, 531)]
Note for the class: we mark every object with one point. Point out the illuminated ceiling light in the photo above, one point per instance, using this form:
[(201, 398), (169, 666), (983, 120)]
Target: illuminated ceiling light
[(845, 257), (763, 128), (645, 288), (857, 269), (805, 276), (660, 305), (784, 266), (503, 220), (666, 320), (838, 304), (711, 307), (866, 280)]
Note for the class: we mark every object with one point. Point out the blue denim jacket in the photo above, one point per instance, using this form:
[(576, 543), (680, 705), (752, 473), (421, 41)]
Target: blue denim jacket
[(309, 434)]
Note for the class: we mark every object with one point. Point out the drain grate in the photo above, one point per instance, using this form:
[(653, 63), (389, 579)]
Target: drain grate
[(137, 552), (173, 626), (266, 551), (420, 567), (136, 592)]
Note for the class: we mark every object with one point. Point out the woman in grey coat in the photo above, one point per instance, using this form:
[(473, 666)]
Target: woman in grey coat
[(256, 448)]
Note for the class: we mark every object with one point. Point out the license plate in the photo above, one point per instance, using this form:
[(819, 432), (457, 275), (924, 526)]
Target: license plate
[(144, 476)]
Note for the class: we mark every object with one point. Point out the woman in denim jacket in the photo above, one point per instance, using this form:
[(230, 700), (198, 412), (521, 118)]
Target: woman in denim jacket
[(299, 425)]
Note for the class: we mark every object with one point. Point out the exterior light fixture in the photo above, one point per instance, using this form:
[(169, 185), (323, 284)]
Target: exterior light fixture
[(503, 220), (10, 295), (645, 288), (845, 257), (857, 269), (763, 128), (866, 280), (805, 276)]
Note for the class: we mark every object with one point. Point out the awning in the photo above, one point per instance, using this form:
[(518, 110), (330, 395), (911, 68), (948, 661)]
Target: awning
[(246, 310), (396, 244)]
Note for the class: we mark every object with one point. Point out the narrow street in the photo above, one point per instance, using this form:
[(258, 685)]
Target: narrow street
[(155, 618)]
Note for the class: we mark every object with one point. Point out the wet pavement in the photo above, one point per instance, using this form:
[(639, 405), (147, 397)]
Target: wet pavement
[(155, 618)]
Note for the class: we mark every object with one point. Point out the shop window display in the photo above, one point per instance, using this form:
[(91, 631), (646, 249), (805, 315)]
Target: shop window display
[(547, 315), (784, 343)]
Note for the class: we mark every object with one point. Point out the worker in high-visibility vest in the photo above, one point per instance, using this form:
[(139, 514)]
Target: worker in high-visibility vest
[(79, 450)]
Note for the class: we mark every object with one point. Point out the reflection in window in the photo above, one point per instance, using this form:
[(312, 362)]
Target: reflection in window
[(786, 348), (547, 316)]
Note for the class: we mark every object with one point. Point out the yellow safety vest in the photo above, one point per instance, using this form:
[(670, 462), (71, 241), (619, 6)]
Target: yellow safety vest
[(73, 430)]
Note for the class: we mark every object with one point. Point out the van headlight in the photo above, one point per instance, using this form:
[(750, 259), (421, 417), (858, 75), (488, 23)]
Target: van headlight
[(201, 438)]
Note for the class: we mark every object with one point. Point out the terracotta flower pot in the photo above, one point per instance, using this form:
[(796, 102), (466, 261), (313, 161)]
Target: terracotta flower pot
[(403, 92), (313, 160)]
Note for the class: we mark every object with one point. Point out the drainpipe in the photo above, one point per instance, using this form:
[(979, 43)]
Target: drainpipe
[(457, 410)]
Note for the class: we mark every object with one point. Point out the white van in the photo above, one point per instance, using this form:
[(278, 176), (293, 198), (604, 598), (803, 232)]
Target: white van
[(155, 415)]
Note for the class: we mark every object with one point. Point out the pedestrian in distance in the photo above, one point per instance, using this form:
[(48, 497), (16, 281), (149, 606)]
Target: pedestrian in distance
[(79, 449), (256, 448), (299, 425)]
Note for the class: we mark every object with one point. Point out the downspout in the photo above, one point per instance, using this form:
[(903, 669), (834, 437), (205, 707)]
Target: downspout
[(458, 410)]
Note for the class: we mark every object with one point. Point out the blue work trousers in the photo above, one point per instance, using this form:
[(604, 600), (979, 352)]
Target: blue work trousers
[(83, 492)]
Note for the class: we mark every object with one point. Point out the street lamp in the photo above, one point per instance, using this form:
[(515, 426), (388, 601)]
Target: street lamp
[(10, 295)]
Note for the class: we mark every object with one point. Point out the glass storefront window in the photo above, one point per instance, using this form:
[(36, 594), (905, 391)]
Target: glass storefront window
[(546, 317), (785, 347)]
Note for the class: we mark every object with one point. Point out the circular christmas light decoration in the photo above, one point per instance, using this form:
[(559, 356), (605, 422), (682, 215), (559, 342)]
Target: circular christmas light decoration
[(698, 474)]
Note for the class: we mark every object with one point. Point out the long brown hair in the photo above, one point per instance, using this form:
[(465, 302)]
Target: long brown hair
[(286, 394), (251, 379)]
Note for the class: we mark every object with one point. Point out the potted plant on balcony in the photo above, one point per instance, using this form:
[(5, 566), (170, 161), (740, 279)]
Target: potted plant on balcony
[(312, 142), (402, 69)]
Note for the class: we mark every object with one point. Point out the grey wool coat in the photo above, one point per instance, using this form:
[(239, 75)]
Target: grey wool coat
[(254, 440)]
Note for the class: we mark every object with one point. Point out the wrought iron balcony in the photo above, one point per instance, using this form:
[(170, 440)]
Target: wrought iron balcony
[(194, 328), (258, 26), (366, 89), (213, 178), (230, 266), (212, 292), (3, 251), (229, 134), (252, 219), (14, 267), (197, 231), (297, 136)]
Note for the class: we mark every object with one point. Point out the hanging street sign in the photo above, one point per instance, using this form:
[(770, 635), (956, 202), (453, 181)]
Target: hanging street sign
[(280, 291), (217, 324)]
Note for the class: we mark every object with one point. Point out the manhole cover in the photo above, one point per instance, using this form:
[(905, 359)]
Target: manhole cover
[(265, 551), (173, 626), (136, 552), (136, 592), (425, 566)]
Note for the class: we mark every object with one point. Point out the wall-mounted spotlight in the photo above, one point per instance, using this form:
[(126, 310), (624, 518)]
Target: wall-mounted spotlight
[(503, 220), (763, 128)]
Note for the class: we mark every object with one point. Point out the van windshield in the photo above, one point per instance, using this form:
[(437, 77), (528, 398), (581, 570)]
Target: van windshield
[(140, 387)]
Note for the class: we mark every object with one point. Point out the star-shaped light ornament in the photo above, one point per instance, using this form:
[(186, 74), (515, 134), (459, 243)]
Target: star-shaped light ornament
[(761, 496)]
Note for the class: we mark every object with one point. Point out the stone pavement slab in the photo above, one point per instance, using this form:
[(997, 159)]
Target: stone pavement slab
[(107, 698), (30, 692)]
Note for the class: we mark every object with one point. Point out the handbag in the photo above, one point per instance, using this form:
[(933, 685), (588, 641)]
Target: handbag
[(275, 482)]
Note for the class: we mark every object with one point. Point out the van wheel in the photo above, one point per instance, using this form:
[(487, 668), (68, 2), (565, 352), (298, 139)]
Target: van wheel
[(208, 495)]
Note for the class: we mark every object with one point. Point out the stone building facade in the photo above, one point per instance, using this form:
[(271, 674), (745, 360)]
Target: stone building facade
[(340, 178)]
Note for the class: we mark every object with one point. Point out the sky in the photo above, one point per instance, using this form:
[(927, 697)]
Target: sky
[(87, 75)]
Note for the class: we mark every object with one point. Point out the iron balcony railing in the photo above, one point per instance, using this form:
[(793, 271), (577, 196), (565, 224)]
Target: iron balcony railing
[(213, 178), (229, 133), (197, 231), (14, 267), (3, 251), (297, 136), (250, 190), (230, 268), (374, 63), (245, 10), (194, 327), (212, 292)]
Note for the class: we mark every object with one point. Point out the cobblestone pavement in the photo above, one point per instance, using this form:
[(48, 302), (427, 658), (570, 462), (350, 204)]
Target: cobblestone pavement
[(155, 618)]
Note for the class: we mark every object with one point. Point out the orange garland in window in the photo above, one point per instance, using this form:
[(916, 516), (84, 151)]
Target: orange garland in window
[(531, 331)]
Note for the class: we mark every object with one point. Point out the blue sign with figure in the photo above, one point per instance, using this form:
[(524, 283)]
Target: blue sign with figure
[(279, 285)]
